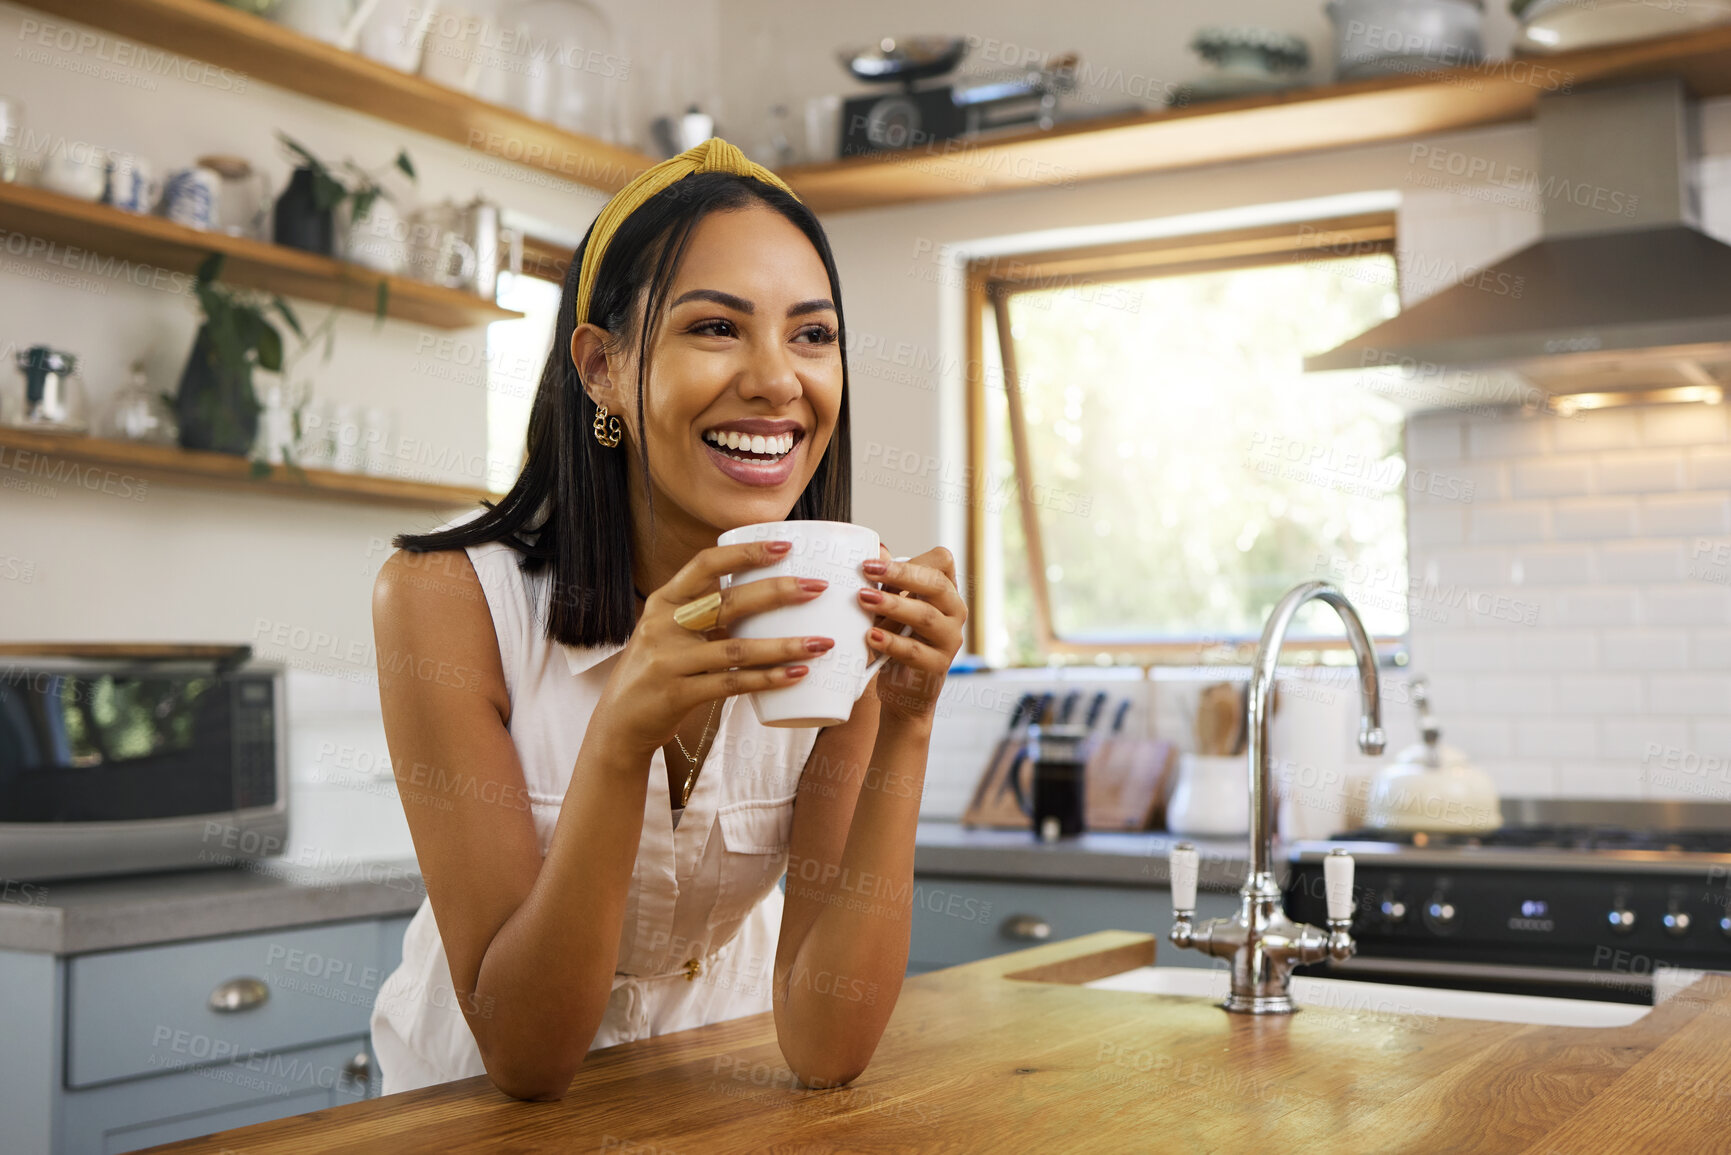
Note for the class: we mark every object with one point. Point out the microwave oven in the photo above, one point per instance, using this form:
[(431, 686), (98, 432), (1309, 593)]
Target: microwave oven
[(122, 759)]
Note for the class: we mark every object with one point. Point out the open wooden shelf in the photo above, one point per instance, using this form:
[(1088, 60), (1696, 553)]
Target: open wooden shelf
[(89, 234), (206, 470), (1247, 128), (1266, 125), (260, 49)]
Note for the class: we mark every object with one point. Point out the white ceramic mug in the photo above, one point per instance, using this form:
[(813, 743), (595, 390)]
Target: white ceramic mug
[(834, 551), (131, 184)]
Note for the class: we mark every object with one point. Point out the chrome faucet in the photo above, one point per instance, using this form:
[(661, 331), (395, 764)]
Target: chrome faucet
[(1262, 943)]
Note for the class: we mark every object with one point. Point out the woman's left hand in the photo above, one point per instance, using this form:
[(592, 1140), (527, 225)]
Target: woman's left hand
[(920, 592)]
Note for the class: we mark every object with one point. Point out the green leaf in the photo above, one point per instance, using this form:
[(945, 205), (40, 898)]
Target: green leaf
[(405, 165), (210, 269), (260, 468), (288, 315), (269, 347), (381, 301), (328, 191), (364, 199)]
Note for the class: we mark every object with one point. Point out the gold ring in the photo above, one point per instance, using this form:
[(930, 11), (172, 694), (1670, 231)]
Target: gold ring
[(701, 614)]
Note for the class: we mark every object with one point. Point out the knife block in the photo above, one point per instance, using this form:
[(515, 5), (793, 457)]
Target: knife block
[(1124, 787)]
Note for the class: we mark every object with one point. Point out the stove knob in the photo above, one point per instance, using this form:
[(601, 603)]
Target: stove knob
[(1725, 926), (1440, 913), (1393, 910), (1622, 919), (1676, 923)]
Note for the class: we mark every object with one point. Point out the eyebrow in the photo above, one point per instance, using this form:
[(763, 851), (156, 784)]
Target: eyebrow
[(798, 309)]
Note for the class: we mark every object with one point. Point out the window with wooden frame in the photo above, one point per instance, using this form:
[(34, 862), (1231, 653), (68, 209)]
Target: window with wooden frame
[(1150, 468)]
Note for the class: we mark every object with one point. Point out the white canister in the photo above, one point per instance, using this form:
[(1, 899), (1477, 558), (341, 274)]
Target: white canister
[(131, 185), (380, 240), (1211, 798), (78, 170), (189, 198)]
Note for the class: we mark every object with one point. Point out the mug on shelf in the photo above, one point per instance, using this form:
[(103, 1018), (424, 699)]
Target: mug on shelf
[(189, 198)]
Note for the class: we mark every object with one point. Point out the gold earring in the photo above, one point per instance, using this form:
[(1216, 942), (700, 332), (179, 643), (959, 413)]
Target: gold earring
[(607, 429)]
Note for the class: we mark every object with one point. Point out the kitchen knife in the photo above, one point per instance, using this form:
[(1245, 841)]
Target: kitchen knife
[(1118, 718), (1036, 716), (1094, 708), (1069, 705), (1023, 705)]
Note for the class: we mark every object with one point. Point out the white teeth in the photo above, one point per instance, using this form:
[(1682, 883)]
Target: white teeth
[(778, 445)]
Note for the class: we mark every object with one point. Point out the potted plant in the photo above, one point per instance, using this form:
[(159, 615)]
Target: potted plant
[(306, 213), (216, 405)]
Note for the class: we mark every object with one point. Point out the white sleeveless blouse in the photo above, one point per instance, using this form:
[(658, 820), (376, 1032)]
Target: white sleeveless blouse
[(703, 910)]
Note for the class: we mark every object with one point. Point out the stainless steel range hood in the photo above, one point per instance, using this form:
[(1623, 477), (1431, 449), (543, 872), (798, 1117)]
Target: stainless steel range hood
[(1622, 293)]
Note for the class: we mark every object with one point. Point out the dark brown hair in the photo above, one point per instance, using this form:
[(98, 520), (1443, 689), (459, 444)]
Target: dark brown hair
[(568, 509)]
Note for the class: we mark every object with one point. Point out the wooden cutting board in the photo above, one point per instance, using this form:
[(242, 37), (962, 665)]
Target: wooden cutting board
[(1126, 783), (994, 803)]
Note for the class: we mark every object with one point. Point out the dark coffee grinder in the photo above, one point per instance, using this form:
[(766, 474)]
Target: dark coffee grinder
[(1056, 756)]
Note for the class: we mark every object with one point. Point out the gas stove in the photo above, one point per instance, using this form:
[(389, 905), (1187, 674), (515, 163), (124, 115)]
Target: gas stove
[(1586, 899)]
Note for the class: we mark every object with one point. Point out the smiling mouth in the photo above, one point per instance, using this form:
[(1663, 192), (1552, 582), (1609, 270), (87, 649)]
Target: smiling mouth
[(753, 448)]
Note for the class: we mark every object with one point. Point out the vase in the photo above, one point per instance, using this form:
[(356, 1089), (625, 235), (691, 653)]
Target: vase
[(298, 221), (215, 405)]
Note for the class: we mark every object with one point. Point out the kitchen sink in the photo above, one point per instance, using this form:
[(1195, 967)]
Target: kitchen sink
[(1385, 998)]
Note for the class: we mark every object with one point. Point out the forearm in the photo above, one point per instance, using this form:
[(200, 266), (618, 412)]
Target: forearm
[(545, 980), (844, 952)]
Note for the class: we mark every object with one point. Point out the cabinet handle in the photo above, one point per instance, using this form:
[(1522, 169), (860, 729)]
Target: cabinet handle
[(241, 994), (359, 1069), (1029, 927)]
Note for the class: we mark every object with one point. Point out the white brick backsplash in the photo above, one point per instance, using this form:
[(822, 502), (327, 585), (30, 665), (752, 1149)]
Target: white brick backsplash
[(1433, 525), (1474, 567), (1505, 694), (1435, 437), (1556, 738), (1546, 649), (1609, 524), (1683, 424), (1597, 429), (1525, 521), (1553, 476), (1556, 565), (1699, 604), (1709, 737), (1689, 694), (1507, 436), (1685, 513), (1480, 738), (1710, 649), (1632, 737), (1644, 650), (1521, 779), (1710, 469), (1641, 561), (1437, 650), (1593, 778), (1640, 472), (1597, 606), (1582, 518), (1596, 694)]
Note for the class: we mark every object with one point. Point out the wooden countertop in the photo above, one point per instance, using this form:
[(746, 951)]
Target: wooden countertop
[(1008, 1054)]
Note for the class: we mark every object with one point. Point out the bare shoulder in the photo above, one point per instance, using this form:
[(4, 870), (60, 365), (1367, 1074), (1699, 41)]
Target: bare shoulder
[(430, 615)]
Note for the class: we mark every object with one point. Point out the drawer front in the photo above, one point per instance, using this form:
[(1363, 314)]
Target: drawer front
[(958, 920), (149, 1010), (144, 1112)]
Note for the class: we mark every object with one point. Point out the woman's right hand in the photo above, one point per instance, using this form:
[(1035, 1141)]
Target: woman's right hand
[(666, 670)]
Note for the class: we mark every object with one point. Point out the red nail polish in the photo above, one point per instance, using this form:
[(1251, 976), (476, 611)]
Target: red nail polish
[(876, 566), (877, 635), (813, 585), (872, 596), (797, 671), (779, 546), (819, 645)]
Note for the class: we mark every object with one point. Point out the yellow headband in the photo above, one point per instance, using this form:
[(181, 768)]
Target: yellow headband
[(713, 155)]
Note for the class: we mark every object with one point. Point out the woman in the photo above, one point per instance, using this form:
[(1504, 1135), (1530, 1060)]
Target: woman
[(599, 818)]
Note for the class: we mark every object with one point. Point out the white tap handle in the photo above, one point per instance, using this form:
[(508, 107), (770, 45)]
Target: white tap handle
[(1184, 871), (1337, 878)]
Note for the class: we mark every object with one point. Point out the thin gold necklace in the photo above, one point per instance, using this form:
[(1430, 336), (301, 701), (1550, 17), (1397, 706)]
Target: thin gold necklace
[(685, 794)]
